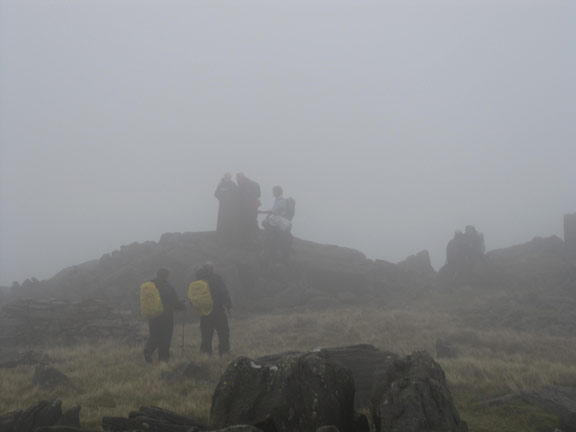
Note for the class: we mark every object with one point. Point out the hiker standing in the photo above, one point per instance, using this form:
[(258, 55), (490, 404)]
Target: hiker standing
[(277, 226), (162, 326), (217, 320), (226, 195)]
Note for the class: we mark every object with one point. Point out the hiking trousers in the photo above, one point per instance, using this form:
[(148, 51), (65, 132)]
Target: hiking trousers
[(216, 321), (161, 330)]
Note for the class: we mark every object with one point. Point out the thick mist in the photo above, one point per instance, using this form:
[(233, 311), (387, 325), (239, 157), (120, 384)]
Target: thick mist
[(391, 124)]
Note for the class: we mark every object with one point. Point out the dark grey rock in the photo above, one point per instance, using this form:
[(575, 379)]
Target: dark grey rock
[(152, 419), (361, 423), (240, 428), (62, 428), (327, 429), (70, 417), (298, 392), (167, 416), (47, 376), (8, 420), (43, 413), (143, 423), (362, 360), (411, 395)]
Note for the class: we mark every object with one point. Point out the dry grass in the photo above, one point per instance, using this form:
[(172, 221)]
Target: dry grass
[(112, 379)]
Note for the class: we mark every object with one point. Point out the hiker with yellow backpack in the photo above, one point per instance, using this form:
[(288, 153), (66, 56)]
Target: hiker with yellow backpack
[(158, 301), (211, 300)]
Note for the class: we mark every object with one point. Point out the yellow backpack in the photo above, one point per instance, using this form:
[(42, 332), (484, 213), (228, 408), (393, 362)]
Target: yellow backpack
[(150, 301), (200, 297)]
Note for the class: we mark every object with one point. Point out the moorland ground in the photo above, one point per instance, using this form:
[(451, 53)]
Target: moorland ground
[(112, 379)]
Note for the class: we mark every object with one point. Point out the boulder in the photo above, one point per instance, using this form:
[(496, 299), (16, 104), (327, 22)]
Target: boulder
[(47, 376), (8, 420), (62, 428), (43, 413), (239, 428), (327, 429), (70, 417), (411, 395), (362, 360), (152, 419), (143, 423), (295, 392)]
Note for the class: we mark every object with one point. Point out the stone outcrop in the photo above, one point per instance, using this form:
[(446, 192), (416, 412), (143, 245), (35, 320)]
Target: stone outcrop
[(320, 275), (538, 264), (411, 395), (296, 392), (29, 322)]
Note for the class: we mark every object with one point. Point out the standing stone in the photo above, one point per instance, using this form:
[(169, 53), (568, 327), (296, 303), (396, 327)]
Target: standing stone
[(297, 392), (411, 395), (570, 235)]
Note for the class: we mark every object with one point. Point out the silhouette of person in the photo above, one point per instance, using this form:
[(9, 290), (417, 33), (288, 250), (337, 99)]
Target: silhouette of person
[(161, 327)]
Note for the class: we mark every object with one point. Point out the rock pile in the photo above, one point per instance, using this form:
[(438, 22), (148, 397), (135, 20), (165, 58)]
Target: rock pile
[(30, 322)]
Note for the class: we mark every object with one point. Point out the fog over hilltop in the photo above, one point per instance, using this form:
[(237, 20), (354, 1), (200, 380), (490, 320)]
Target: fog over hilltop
[(391, 123)]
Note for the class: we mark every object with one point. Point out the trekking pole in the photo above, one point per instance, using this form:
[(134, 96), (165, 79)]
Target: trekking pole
[(182, 347)]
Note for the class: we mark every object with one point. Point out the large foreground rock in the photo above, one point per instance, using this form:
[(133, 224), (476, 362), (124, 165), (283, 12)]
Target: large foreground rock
[(363, 360), (411, 395), (294, 393)]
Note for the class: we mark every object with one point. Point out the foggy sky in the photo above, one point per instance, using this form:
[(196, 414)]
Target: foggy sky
[(391, 123)]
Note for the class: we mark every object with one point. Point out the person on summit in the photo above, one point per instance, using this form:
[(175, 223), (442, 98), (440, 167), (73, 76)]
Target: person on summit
[(277, 227), (162, 326), (217, 319)]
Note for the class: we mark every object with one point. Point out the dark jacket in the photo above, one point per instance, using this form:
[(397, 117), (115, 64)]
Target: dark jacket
[(169, 298), (218, 290)]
